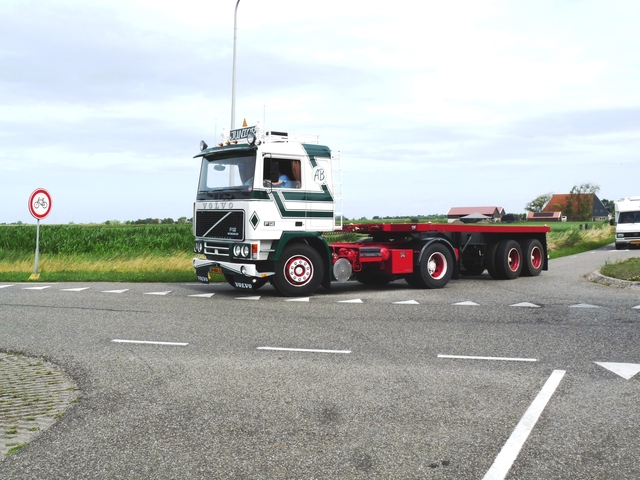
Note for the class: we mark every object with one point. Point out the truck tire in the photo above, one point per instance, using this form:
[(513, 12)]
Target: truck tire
[(435, 268), (533, 254), (508, 260), (299, 271)]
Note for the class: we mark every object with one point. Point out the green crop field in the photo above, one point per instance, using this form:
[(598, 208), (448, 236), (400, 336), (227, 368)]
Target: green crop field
[(163, 253)]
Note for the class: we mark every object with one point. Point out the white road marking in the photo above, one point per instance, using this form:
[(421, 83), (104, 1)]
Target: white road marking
[(406, 302), (625, 370), (37, 288), (145, 342), (503, 462), (468, 303), (525, 304), (75, 289), (307, 350), (248, 298), (159, 293), (505, 359), (301, 299), (5, 286), (356, 300), (116, 291), (637, 307), (583, 305), (203, 295)]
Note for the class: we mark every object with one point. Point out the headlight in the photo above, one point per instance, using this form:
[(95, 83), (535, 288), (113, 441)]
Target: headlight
[(241, 250)]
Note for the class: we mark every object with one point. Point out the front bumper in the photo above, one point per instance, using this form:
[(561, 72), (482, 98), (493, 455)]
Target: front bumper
[(204, 269)]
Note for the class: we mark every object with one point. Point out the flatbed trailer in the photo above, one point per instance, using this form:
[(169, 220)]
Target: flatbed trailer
[(428, 255)]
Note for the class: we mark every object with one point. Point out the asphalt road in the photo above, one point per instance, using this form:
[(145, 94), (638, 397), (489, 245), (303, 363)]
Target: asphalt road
[(483, 377)]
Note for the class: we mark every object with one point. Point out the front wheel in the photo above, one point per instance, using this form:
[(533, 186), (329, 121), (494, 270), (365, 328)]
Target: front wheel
[(299, 271), (435, 268)]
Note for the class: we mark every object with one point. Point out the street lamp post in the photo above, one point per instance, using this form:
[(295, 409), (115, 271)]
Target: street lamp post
[(233, 78)]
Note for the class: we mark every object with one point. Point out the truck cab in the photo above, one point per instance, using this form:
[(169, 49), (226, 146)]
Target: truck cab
[(260, 192)]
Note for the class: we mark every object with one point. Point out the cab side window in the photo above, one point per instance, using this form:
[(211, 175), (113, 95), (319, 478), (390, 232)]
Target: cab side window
[(281, 173)]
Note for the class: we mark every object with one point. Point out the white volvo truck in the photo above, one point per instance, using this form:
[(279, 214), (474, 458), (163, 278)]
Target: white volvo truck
[(265, 199)]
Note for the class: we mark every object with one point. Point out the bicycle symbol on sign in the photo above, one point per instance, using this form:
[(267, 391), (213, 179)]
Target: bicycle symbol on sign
[(40, 202)]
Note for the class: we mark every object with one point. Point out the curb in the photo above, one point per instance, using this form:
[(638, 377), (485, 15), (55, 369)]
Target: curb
[(597, 277)]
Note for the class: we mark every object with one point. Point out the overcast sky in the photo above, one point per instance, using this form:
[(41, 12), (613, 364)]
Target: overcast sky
[(433, 104)]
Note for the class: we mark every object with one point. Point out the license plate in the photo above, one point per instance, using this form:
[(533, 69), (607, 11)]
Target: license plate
[(215, 270), (635, 242)]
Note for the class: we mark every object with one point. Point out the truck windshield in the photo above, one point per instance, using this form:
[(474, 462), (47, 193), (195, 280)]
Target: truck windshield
[(629, 217), (224, 173)]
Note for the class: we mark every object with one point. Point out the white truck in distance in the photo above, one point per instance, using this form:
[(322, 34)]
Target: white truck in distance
[(265, 198), (627, 222)]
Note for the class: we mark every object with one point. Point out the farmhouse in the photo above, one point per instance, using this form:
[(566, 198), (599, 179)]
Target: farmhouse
[(576, 207), (487, 213)]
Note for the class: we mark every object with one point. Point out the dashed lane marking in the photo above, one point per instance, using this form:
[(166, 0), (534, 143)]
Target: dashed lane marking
[(504, 359), (355, 300), (406, 302), (248, 298), (37, 288), (467, 304), (525, 304), (301, 299), (306, 350), (159, 293), (583, 305), (116, 291), (75, 289), (147, 342), (203, 295)]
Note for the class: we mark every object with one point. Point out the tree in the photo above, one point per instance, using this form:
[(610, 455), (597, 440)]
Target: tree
[(609, 205), (580, 201), (538, 203)]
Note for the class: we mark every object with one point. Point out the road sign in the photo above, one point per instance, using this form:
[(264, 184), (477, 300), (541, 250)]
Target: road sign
[(40, 203)]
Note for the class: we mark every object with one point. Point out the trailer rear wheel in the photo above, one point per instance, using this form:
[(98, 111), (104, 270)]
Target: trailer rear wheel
[(435, 269), (508, 260), (299, 271), (533, 257)]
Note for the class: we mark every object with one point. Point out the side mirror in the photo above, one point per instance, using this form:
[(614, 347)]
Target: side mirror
[(612, 222)]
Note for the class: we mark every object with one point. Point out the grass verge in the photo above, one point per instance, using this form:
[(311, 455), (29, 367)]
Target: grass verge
[(624, 269), (150, 267)]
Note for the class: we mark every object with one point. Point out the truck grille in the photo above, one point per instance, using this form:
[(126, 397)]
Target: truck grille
[(223, 224)]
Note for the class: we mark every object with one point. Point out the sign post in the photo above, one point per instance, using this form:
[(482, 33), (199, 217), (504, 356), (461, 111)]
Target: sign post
[(39, 207)]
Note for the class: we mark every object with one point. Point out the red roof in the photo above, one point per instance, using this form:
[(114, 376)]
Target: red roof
[(559, 202)]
